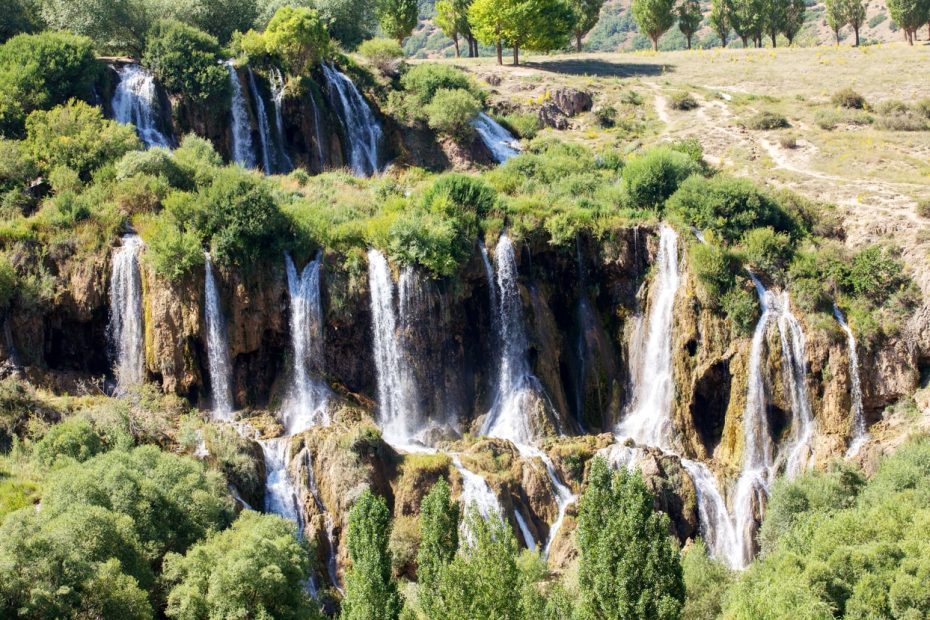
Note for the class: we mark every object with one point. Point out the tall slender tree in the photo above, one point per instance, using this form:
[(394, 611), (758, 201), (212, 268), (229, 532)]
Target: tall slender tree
[(397, 18), (630, 567), (773, 18), (794, 19), (539, 25), (720, 18), (689, 18), (439, 540), (835, 13), (855, 15), (654, 18), (370, 590), (587, 13)]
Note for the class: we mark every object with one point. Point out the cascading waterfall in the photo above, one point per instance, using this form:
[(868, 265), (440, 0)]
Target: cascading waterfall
[(134, 102), (243, 152), (307, 401), (280, 492), (126, 330), (859, 433), (317, 131), (717, 527), (217, 347), (264, 129), (396, 389), (277, 94), (795, 371), (475, 490), (524, 529), (649, 420), (499, 141), (362, 128)]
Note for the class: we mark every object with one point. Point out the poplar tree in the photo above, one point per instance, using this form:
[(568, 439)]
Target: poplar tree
[(439, 540), (835, 13), (773, 17), (630, 568), (397, 18), (910, 15), (587, 13), (794, 19), (855, 15), (654, 18), (370, 591), (689, 18), (720, 19)]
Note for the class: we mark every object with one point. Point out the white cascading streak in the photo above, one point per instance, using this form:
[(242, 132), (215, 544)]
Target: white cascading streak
[(134, 102), (499, 141), (859, 433), (126, 329), (264, 128), (217, 347), (362, 128), (243, 152), (277, 94)]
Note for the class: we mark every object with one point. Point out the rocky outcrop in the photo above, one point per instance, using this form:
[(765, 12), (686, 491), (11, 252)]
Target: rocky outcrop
[(563, 104)]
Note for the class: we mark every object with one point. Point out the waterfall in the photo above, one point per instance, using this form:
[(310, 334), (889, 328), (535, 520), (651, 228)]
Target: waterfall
[(717, 527), (517, 388), (317, 131), (396, 390), (499, 141), (859, 433), (280, 492), (264, 129), (126, 330), (794, 366), (217, 347), (524, 529), (649, 420), (135, 100), (242, 150), (475, 490), (563, 497), (277, 94), (308, 397), (363, 131)]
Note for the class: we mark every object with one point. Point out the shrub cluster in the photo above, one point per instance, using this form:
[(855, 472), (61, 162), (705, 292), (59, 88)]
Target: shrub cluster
[(186, 62), (457, 99)]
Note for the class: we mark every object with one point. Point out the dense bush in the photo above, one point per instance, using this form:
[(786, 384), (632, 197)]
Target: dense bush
[(450, 112), (72, 439), (19, 16), (655, 175), (848, 98), (424, 80), (77, 136), (729, 207), (383, 54), (766, 251), (255, 569), (40, 71), (765, 120), (297, 37), (683, 101), (524, 125), (706, 583), (156, 162), (185, 61), (830, 118)]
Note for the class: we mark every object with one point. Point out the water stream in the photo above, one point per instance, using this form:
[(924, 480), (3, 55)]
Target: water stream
[(217, 347), (277, 94), (264, 128), (135, 101), (499, 141), (126, 329), (243, 153), (859, 434), (362, 129)]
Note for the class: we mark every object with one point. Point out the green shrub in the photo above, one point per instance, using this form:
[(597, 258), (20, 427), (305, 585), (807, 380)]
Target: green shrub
[(524, 125), (690, 147), (848, 98), (682, 101), (713, 267), (156, 162), (766, 251), (15, 167), (706, 583), (901, 120), (876, 274), (76, 135), (923, 208), (185, 61), (741, 307), (830, 118), (74, 438), (450, 112), (40, 71), (728, 206), (383, 54), (425, 238), (297, 38), (606, 116), (171, 251), (631, 97), (655, 175), (765, 120), (922, 107), (425, 80), (7, 282)]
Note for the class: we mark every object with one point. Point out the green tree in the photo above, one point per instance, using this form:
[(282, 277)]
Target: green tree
[(439, 540), (370, 590), (298, 37), (221, 18), (255, 569), (835, 14), (748, 20), (349, 21), (856, 11), (630, 567), (689, 18), (77, 136), (794, 19), (706, 583), (909, 14), (720, 19), (774, 17), (397, 18), (19, 16), (654, 18), (43, 70), (452, 19), (185, 61), (117, 26), (483, 580), (539, 25), (587, 13), (451, 111)]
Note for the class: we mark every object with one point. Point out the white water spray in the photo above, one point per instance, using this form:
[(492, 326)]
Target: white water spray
[(649, 420), (277, 94), (362, 128), (126, 330), (499, 141), (264, 129), (243, 152), (717, 528), (135, 101), (859, 433), (217, 347)]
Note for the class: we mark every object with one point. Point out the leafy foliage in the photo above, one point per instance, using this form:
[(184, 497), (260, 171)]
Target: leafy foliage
[(397, 18), (370, 590), (654, 18), (450, 112), (655, 175), (185, 61), (439, 540), (384, 54), (297, 37)]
